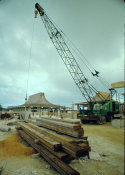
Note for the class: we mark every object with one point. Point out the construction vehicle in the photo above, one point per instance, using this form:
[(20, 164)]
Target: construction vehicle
[(96, 109)]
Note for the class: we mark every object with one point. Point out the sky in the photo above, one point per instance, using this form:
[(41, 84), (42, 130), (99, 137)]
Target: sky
[(96, 27)]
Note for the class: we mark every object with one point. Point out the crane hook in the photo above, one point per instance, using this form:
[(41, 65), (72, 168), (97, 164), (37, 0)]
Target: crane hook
[(36, 12)]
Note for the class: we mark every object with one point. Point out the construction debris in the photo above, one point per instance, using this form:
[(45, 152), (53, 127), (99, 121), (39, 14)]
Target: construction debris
[(56, 149)]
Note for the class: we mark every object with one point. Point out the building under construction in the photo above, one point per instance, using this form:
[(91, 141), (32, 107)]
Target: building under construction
[(36, 106)]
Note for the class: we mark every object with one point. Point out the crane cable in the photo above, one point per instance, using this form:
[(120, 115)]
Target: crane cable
[(29, 61)]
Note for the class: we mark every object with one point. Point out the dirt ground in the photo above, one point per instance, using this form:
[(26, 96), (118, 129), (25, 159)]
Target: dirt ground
[(107, 151), (106, 156)]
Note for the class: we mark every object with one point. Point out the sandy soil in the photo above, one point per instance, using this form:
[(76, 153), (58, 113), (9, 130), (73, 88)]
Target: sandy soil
[(106, 156), (107, 151)]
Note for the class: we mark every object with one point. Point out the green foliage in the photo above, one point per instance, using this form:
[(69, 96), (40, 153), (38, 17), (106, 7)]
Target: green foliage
[(0, 107), (1, 170)]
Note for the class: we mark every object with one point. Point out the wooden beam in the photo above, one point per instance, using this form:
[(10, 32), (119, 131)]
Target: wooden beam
[(45, 140), (61, 129), (69, 147), (55, 162)]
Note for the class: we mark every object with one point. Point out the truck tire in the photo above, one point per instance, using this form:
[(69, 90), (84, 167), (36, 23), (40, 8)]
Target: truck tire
[(108, 117), (101, 120)]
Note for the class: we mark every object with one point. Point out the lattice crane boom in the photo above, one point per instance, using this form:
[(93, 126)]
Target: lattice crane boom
[(87, 90)]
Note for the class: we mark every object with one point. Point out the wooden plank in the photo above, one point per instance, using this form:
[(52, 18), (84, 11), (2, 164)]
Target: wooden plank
[(86, 147), (66, 137), (60, 124), (60, 154), (72, 149), (79, 141), (64, 120), (55, 162), (46, 140), (51, 132), (71, 132)]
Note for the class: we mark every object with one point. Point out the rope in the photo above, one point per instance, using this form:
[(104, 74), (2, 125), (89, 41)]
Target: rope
[(30, 52)]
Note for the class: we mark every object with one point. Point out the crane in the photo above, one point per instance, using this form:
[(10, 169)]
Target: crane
[(88, 91)]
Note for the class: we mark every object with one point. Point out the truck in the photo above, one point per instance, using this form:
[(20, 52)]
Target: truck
[(101, 112)]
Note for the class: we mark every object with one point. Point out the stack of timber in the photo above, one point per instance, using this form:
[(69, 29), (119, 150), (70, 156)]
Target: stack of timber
[(56, 149), (71, 127)]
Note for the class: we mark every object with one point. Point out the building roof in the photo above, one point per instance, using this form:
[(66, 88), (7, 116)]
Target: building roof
[(102, 96), (120, 84), (82, 103), (39, 99)]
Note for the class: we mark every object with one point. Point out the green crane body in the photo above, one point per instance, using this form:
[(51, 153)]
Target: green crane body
[(101, 108)]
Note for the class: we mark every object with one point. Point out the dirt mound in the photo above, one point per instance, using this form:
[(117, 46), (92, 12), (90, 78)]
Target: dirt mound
[(12, 147)]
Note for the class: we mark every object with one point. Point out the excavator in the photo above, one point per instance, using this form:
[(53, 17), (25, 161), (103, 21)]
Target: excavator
[(99, 111)]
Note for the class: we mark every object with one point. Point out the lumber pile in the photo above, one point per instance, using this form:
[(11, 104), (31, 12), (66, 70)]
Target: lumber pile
[(57, 149), (71, 127)]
